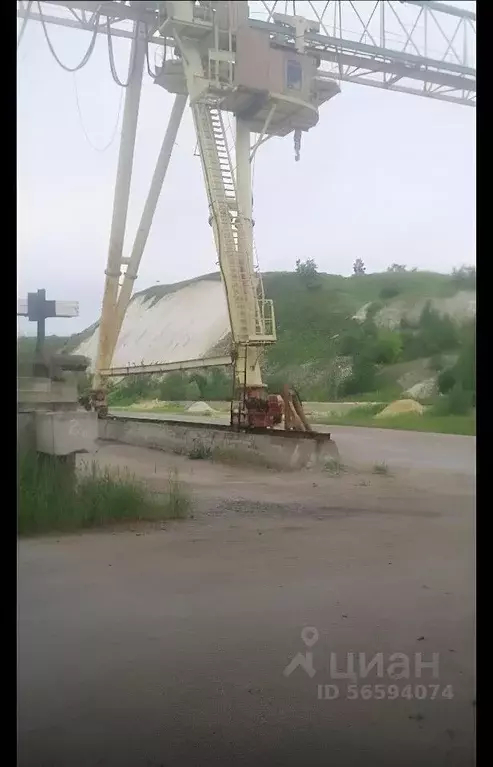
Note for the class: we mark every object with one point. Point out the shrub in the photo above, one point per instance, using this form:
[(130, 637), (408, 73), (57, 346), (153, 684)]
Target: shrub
[(465, 277), (387, 348), (359, 267), (306, 268), (462, 376), (174, 387), (192, 391), (218, 385), (457, 402), (132, 389), (308, 272), (199, 451), (352, 340), (446, 381), (437, 333), (362, 378), (433, 335), (465, 367), (381, 468)]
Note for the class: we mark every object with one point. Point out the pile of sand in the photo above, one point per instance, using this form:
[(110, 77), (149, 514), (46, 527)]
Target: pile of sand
[(401, 406), (201, 408), (147, 404)]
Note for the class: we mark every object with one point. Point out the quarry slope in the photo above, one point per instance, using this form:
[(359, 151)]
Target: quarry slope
[(188, 320), (181, 324)]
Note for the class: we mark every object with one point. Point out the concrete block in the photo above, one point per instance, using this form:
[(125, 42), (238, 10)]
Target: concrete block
[(64, 433), (275, 450), (43, 391)]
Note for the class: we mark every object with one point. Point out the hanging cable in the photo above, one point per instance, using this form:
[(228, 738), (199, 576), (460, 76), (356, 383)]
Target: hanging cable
[(112, 57), (24, 23), (81, 120), (149, 70), (87, 54)]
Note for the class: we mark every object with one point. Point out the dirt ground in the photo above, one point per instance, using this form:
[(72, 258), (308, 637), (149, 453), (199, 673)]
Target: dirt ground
[(170, 644)]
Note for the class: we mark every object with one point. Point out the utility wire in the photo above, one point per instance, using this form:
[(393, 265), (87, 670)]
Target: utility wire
[(81, 120), (112, 57), (87, 54)]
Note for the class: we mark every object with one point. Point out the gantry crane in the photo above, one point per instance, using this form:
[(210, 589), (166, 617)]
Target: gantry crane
[(272, 93), (268, 75)]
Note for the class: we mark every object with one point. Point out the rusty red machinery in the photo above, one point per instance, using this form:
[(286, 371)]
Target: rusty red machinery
[(259, 410)]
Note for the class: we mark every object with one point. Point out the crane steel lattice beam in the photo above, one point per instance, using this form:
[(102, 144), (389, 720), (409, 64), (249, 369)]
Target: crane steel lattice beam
[(420, 47), (168, 367)]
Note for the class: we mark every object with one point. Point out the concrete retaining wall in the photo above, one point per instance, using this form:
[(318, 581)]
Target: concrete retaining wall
[(280, 451)]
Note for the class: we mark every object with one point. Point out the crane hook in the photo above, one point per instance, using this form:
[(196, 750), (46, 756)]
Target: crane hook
[(297, 144)]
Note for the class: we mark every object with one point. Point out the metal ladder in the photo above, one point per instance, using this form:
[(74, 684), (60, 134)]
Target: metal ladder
[(247, 311)]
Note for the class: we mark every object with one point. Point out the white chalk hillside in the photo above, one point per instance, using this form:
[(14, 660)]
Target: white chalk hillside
[(186, 323)]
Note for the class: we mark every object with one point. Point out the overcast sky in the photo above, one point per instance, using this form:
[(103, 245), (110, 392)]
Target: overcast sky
[(383, 176)]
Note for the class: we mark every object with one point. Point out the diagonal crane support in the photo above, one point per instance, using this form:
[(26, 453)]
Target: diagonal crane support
[(114, 267), (150, 206)]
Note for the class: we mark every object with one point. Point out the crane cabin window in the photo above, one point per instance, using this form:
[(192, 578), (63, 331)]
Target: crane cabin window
[(294, 75)]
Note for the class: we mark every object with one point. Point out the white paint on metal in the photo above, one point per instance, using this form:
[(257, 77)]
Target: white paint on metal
[(66, 308), (22, 307), (62, 308), (168, 367), (121, 199)]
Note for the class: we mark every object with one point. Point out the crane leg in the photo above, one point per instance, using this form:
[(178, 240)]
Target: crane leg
[(120, 204), (250, 375)]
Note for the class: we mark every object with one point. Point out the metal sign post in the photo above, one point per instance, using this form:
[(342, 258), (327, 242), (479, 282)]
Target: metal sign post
[(37, 309)]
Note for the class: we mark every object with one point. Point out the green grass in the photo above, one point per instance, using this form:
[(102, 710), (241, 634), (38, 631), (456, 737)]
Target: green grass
[(26, 345), (381, 395), (51, 499), (173, 408), (334, 467), (365, 416), (450, 424), (133, 407)]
